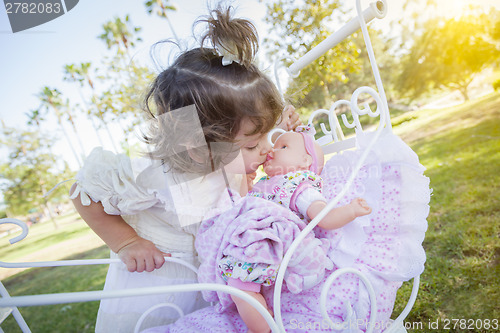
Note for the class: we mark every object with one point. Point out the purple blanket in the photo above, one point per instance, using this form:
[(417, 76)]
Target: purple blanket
[(386, 245), (259, 231)]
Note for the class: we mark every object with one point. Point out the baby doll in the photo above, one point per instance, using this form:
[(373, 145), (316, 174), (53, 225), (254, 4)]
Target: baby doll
[(293, 181)]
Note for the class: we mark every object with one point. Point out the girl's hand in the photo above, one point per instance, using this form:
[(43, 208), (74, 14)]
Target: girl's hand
[(250, 178), (141, 255), (247, 183), (290, 119)]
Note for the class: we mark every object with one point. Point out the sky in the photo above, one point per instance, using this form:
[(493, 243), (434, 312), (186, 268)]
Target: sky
[(35, 58)]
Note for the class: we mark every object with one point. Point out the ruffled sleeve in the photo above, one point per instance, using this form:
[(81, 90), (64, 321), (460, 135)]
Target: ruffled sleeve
[(296, 183), (110, 179)]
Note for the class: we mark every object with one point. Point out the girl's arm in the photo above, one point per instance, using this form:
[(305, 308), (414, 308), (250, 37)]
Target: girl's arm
[(340, 216), (137, 253)]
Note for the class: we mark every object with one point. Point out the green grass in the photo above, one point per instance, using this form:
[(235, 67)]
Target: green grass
[(74, 317), (460, 147), (41, 235)]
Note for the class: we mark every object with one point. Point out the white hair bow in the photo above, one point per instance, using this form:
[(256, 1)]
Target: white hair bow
[(228, 52)]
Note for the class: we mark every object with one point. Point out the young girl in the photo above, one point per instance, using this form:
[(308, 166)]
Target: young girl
[(293, 181), (150, 208)]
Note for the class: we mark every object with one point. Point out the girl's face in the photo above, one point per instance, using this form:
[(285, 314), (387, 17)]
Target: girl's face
[(253, 150), (289, 154)]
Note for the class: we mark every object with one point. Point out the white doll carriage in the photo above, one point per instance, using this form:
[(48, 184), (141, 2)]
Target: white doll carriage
[(332, 140)]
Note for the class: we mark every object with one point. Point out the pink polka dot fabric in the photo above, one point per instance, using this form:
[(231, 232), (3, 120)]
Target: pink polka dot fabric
[(386, 245)]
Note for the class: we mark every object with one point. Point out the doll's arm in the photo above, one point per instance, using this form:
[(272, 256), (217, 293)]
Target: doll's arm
[(340, 216), (136, 252)]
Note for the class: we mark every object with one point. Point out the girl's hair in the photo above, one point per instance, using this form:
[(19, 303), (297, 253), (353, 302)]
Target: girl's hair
[(223, 95)]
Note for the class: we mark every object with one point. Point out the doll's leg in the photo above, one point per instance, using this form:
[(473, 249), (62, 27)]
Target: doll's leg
[(252, 318)]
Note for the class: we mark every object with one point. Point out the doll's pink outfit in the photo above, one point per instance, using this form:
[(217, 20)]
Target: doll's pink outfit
[(290, 189), (295, 190)]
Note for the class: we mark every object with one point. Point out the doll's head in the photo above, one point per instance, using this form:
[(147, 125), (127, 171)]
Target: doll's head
[(294, 152)]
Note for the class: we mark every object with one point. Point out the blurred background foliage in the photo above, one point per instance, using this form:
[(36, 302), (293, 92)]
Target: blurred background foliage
[(421, 58)]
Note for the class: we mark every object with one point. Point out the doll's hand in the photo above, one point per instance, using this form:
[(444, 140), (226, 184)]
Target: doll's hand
[(141, 255), (360, 207), (290, 119)]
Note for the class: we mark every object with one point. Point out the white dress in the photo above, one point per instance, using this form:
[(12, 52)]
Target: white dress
[(163, 207)]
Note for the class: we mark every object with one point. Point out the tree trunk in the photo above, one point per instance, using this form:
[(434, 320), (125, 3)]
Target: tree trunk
[(172, 28), (56, 226), (329, 102), (463, 87), (69, 144), (78, 138), (328, 96), (110, 136), (465, 95), (96, 131), (90, 115)]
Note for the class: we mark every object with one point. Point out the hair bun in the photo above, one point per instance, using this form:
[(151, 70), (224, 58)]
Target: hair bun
[(236, 38)]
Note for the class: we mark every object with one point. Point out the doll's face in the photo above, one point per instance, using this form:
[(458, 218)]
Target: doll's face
[(289, 154)]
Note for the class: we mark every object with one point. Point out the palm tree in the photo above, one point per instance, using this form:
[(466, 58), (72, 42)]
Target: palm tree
[(124, 74), (120, 34), (105, 104), (51, 100), (161, 7), (34, 118), (75, 73), (71, 120)]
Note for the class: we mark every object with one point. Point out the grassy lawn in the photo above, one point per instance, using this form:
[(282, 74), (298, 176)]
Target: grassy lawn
[(74, 317), (459, 146), (46, 243), (41, 235)]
